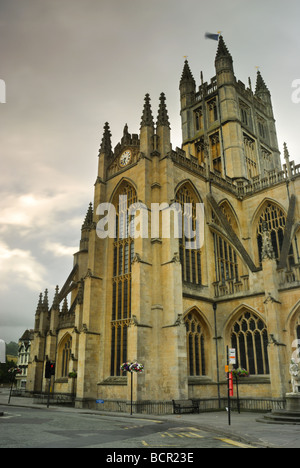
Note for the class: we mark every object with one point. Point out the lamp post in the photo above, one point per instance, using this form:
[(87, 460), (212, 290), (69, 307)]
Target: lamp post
[(132, 367), (217, 352)]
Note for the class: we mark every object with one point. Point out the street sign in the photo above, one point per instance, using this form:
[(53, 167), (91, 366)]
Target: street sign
[(2, 352), (232, 356), (99, 401)]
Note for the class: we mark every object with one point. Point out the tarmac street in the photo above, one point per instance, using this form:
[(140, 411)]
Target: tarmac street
[(22, 427), (25, 424)]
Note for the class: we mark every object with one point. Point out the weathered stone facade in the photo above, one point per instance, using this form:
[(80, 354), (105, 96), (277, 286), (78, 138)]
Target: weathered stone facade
[(171, 308)]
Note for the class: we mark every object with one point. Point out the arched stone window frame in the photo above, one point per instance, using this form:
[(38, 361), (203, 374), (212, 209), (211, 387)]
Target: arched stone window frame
[(121, 258), (190, 258), (247, 332), (64, 356), (275, 216), (197, 342), (228, 264)]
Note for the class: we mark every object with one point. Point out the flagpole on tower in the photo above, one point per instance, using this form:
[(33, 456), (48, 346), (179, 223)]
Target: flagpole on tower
[(213, 36)]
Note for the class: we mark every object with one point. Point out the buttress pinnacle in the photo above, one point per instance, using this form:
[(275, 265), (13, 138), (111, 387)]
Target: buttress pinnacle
[(106, 141), (147, 117), (163, 118)]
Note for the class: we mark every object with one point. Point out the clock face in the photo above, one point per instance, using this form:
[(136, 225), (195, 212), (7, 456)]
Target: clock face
[(125, 158)]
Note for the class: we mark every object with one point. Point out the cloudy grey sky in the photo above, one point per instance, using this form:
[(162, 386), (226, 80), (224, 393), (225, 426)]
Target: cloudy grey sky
[(70, 66)]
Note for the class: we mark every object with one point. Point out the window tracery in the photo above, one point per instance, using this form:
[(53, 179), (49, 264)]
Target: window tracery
[(190, 258), (123, 252), (249, 337), (65, 355), (275, 219), (195, 345), (226, 258)]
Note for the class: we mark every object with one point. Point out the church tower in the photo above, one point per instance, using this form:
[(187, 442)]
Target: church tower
[(235, 123)]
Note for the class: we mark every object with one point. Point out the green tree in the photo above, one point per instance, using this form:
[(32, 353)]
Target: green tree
[(5, 377)]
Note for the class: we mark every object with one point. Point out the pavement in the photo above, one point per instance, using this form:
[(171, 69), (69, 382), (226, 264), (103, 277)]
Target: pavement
[(243, 427)]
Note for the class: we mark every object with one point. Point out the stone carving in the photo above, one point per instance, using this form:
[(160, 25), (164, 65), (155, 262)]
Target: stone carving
[(295, 375), (267, 248), (136, 258), (176, 258)]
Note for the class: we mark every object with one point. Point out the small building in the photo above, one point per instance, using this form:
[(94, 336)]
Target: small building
[(23, 358)]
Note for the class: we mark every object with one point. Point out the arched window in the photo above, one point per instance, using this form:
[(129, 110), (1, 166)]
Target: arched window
[(199, 119), (276, 221), (251, 158), (216, 152), (249, 337), (123, 251), (64, 356), (190, 258), (195, 345), (226, 259), (200, 150)]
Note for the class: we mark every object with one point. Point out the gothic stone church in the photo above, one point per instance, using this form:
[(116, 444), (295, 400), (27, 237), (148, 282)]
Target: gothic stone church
[(174, 309)]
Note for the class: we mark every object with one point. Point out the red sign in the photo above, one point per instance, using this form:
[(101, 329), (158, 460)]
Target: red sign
[(230, 384)]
